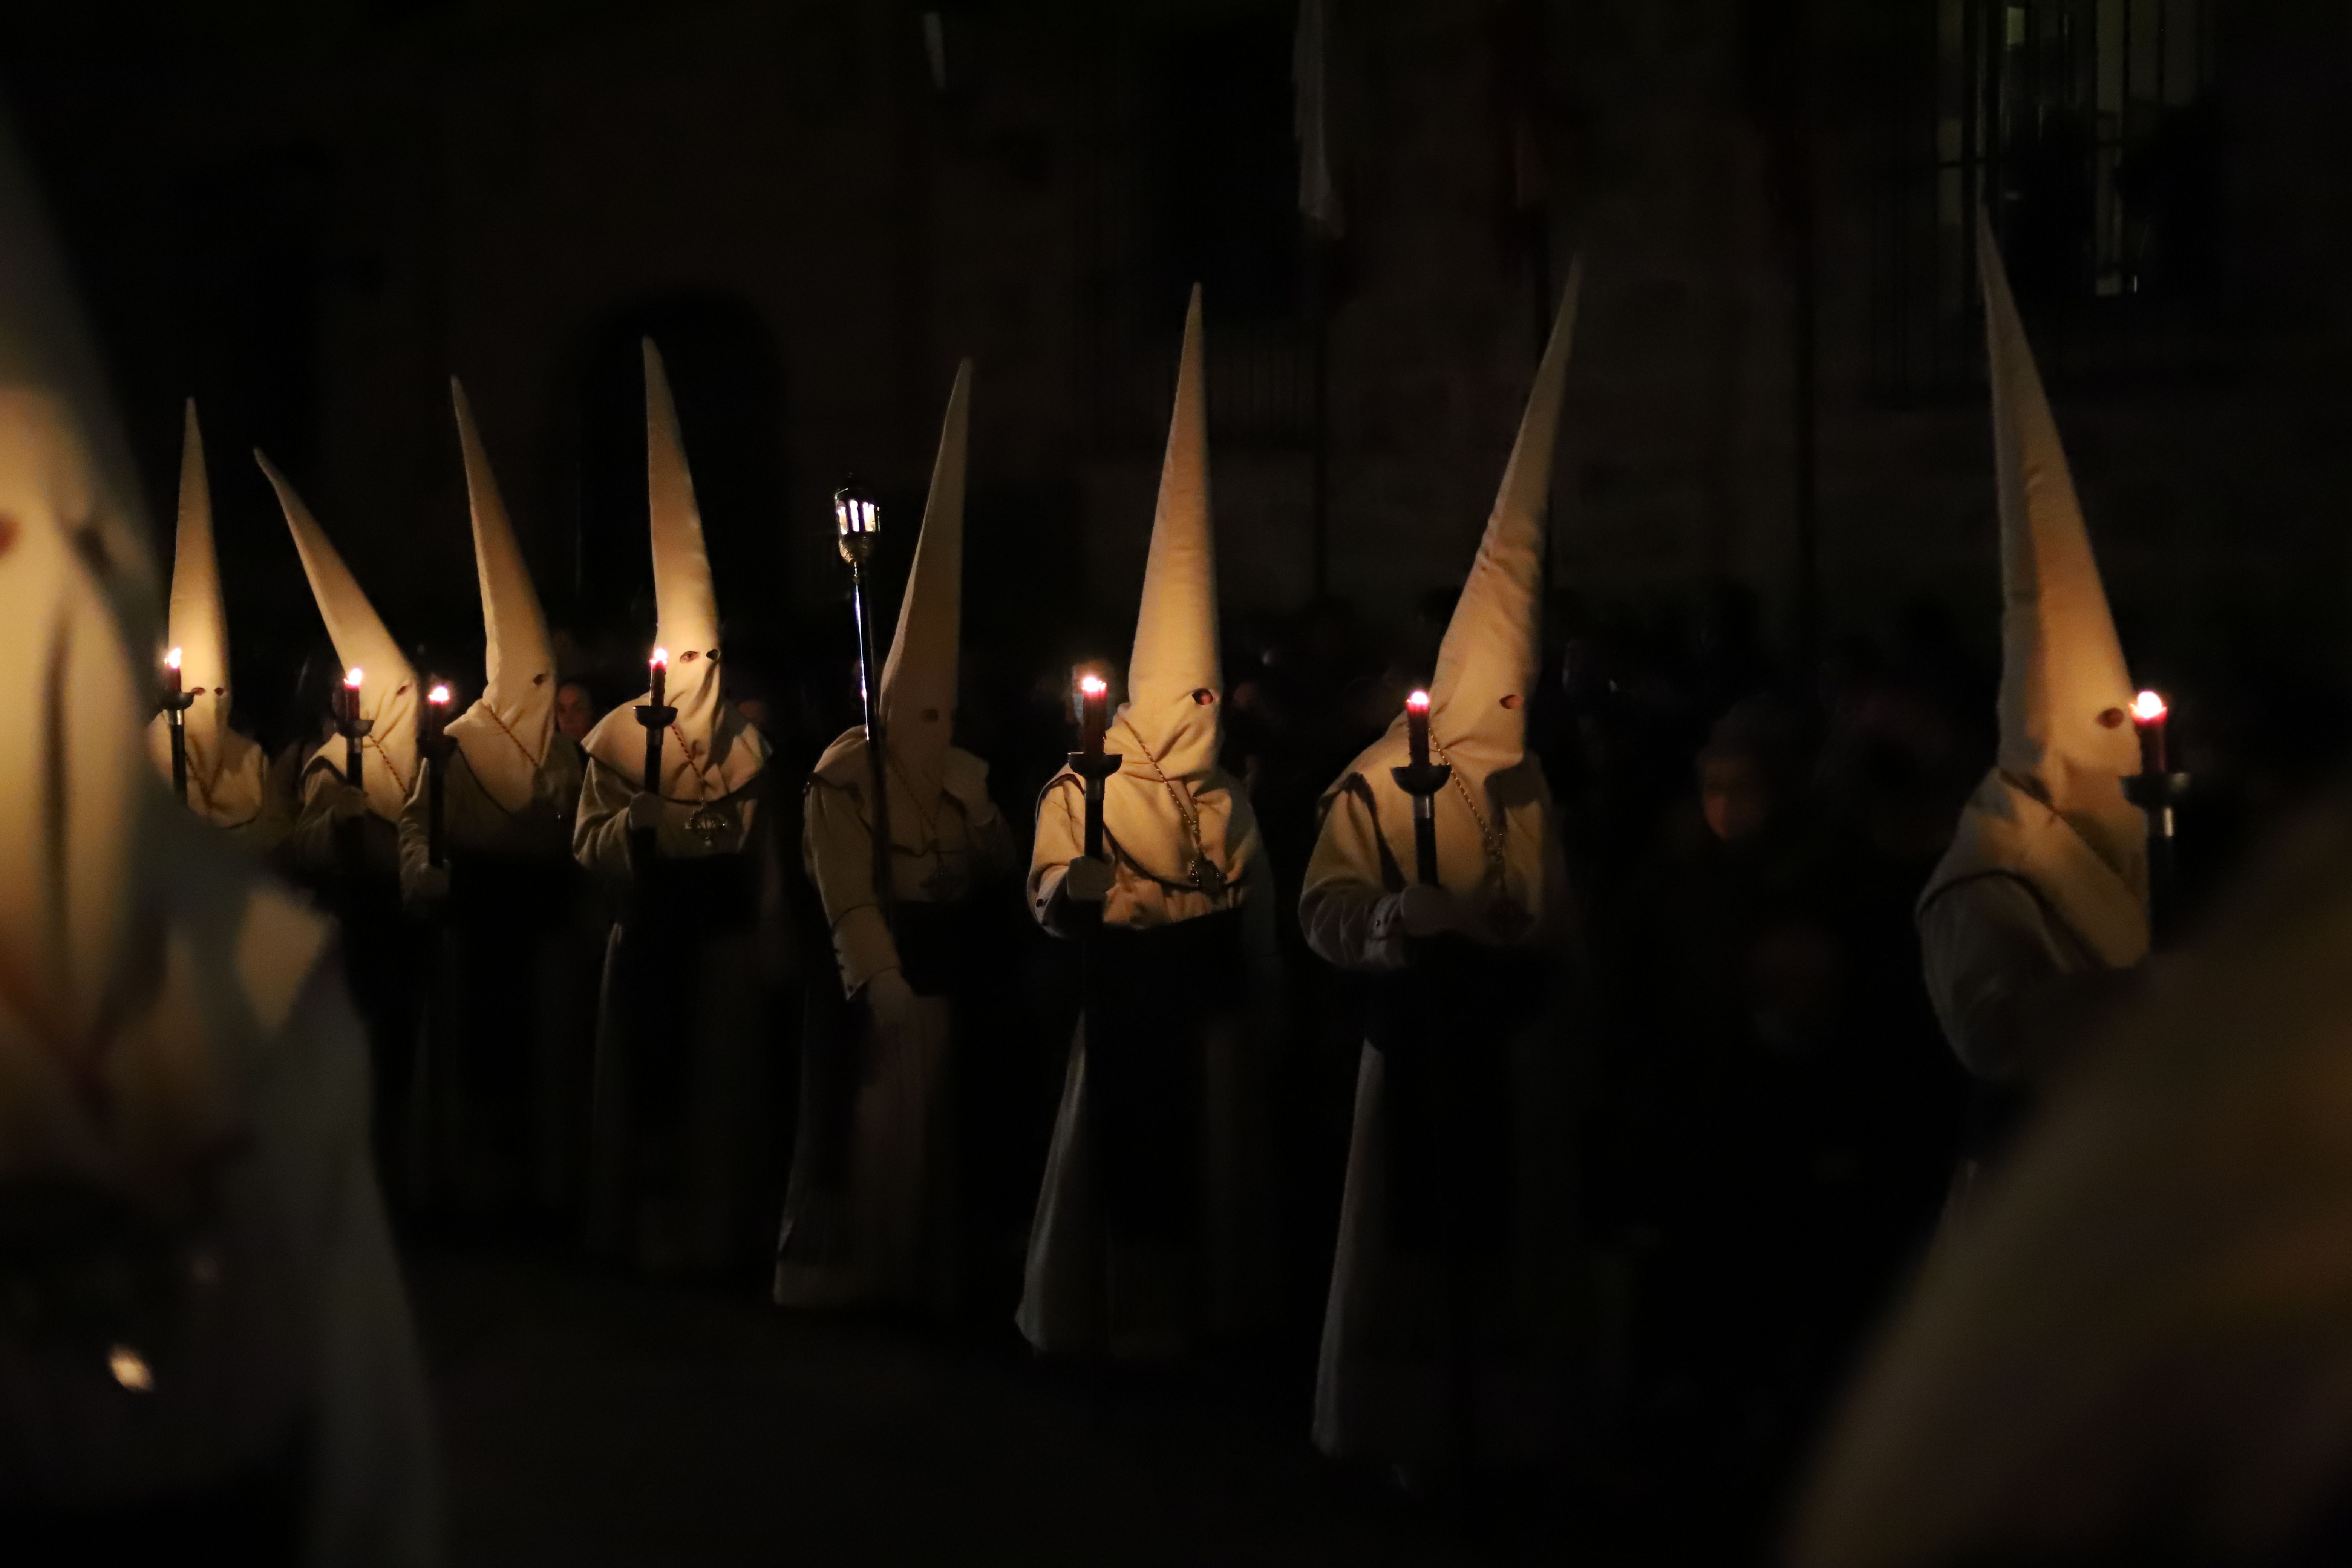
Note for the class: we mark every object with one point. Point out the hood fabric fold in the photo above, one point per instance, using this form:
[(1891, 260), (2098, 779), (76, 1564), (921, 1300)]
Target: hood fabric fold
[(1492, 822), (225, 769), (388, 693), (918, 678), (505, 734), (710, 753)]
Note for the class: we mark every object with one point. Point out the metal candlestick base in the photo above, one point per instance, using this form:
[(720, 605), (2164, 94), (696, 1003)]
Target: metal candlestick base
[(1093, 770), (2154, 793), (1422, 779)]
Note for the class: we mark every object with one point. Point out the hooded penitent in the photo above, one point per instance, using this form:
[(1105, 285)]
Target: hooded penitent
[(1170, 729), (98, 1076), (1487, 667), (388, 694), (225, 769), (2055, 811), (919, 678), (506, 734), (710, 753), (2138, 1347)]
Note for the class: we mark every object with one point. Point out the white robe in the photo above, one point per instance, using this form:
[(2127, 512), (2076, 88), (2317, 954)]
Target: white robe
[(721, 1045), (1385, 1381), (2020, 915), (1080, 1293), (889, 1238)]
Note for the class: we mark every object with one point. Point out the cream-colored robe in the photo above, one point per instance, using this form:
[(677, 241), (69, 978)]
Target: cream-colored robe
[(1383, 1387), (233, 791), (270, 1007), (727, 1045), (1079, 1295), (2020, 912), (888, 1239)]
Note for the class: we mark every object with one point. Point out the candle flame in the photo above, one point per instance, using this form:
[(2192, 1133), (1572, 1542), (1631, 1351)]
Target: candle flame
[(440, 694), (1417, 702), (1092, 685), (660, 659), (352, 676), (2148, 708), (172, 660)]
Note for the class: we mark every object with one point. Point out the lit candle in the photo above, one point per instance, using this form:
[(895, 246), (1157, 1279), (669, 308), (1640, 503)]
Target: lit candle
[(1416, 726), (437, 708), (1093, 700), (2149, 714), (351, 680), (660, 665), (172, 673)]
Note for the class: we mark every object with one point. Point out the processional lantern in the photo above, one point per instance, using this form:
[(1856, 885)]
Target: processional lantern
[(858, 521)]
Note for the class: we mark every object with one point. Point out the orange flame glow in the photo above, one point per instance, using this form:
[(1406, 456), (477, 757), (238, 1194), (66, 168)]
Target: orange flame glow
[(438, 695), (352, 676), (1092, 685), (172, 660), (660, 659), (2148, 708), (1417, 702)]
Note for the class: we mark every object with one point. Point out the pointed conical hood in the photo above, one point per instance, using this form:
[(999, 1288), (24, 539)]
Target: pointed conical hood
[(1495, 841), (78, 605), (710, 753), (1486, 665), (388, 692), (919, 678), (199, 621), (507, 733), (1175, 657), (2065, 695), (225, 769)]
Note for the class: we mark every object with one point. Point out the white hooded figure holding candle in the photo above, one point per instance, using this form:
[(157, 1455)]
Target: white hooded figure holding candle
[(870, 1216), (677, 1138), (2044, 895), (227, 772), (1151, 1226), (499, 1081), (345, 842), (206, 1355), (1443, 1333)]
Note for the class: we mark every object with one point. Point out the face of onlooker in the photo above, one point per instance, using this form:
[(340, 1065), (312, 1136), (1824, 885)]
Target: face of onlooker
[(575, 713), (1735, 795)]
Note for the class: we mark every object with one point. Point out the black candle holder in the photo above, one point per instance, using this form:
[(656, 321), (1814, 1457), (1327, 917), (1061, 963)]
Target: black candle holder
[(175, 706), (2158, 795), (1422, 781)]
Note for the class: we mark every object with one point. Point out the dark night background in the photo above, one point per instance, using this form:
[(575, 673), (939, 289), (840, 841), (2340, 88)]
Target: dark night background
[(308, 215)]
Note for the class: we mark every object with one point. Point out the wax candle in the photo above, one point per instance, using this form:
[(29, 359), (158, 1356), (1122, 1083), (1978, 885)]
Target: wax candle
[(172, 673), (2149, 714), (1094, 702), (660, 663), (1416, 724)]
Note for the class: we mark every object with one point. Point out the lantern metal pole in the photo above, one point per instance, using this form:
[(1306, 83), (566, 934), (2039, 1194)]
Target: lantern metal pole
[(858, 518)]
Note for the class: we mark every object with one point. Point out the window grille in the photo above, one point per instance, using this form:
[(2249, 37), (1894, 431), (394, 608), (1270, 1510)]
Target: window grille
[(2084, 129)]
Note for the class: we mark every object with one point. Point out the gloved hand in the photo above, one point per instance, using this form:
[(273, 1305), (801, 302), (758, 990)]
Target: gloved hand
[(1424, 910), (1088, 880), (645, 811), (891, 999), (349, 804)]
